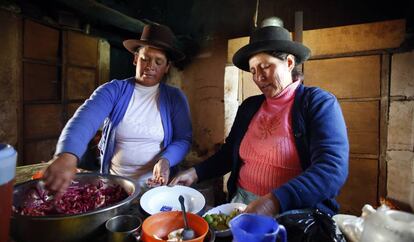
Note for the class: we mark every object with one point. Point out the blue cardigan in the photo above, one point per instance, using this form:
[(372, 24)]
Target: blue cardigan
[(108, 105), (321, 140)]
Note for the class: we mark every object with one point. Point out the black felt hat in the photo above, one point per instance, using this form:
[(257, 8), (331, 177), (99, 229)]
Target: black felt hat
[(270, 38)]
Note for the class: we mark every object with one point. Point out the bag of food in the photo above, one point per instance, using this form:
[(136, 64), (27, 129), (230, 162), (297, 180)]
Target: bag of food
[(310, 225)]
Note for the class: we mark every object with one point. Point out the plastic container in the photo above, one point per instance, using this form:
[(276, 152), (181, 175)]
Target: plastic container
[(157, 227), (388, 225), (8, 157), (256, 228)]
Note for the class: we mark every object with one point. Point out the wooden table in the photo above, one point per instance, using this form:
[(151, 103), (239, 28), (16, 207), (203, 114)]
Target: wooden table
[(25, 173)]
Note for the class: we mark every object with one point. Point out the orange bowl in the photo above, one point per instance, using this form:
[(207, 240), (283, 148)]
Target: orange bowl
[(157, 227)]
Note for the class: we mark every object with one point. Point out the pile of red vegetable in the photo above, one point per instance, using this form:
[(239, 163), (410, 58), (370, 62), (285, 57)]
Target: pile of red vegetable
[(77, 199)]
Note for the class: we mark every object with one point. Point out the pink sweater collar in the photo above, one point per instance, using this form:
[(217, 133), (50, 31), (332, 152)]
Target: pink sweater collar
[(285, 95)]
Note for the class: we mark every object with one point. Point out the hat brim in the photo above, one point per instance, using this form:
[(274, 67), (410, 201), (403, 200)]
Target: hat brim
[(242, 56), (132, 45)]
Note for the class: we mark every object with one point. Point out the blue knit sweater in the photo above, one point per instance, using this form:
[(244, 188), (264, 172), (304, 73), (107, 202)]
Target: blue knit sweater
[(321, 140), (107, 106)]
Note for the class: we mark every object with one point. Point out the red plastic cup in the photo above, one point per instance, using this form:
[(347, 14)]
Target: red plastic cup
[(8, 157)]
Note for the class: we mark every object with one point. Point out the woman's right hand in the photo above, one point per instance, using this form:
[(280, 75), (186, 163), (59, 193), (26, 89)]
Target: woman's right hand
[(186, 178), (60, 172)]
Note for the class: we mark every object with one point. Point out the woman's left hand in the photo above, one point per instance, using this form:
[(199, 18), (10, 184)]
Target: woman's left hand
[(266, 205), (161, 172)]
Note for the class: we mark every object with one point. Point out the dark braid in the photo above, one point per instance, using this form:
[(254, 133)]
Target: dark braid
[(297, 74)]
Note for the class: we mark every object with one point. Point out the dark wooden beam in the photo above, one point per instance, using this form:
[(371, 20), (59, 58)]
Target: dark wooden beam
[(99, 12)]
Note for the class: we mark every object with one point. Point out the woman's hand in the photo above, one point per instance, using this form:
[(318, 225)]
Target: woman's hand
[(266, 205), (160, 173), (187, 177), (58, 175)]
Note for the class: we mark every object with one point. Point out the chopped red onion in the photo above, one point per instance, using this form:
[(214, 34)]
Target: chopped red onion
[(77, 199)]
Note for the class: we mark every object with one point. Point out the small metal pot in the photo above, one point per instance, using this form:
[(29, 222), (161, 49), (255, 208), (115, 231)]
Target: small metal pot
[(67, 228), (123, 228)]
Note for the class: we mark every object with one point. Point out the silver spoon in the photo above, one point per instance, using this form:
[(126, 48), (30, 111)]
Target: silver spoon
[(187, 232), (42, 192)]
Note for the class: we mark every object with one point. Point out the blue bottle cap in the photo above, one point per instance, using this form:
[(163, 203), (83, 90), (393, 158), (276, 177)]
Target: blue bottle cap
[(6, 151), (8, 157)]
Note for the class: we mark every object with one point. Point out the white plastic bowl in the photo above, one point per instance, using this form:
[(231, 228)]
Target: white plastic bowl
[(226, 208), (165, 198)]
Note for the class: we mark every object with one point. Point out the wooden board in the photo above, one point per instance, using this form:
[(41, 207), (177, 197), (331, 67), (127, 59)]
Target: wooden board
[(355, 38), (104, 61), (362, 121), (80, 82), (234, 45), (40, 42), (351, 77), (82, 50), (39, 151), (249, 88), (42, 120), (361, 186), (40, 82)]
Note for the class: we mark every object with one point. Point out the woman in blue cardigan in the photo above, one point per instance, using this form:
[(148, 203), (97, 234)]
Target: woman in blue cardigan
[(146, 123), (288, 148)]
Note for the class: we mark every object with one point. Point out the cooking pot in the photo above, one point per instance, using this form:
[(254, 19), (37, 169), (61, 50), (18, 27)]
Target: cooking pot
[(67, 228)]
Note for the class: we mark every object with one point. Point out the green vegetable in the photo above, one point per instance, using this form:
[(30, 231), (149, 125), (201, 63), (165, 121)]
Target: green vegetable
[(208, 218), (221, 221)]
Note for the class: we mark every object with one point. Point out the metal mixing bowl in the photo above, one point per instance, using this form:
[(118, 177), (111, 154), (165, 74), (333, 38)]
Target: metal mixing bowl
[(81, 227)]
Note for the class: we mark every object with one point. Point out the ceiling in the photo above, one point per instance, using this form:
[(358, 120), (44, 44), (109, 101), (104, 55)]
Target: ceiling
[(197, 21)]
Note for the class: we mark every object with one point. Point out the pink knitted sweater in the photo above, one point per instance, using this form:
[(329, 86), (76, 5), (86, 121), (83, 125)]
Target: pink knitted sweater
[(268, 148)]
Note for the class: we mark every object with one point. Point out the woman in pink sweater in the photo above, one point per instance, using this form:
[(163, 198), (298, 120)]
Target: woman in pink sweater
[(288, 148)]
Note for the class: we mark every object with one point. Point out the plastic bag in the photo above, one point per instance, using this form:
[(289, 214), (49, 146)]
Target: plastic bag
[(310, 225)]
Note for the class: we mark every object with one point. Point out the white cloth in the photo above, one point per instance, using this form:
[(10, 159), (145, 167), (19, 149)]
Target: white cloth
[(139, 136)]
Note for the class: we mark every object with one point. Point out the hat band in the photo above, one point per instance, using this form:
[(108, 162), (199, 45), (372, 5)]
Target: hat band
[(157, 42)]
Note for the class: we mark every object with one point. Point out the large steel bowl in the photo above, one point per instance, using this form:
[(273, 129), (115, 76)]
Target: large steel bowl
[(67, 228)]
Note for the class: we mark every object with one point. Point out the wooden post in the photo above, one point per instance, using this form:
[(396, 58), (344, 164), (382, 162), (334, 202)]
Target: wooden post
[(298, 34), (384, 109)]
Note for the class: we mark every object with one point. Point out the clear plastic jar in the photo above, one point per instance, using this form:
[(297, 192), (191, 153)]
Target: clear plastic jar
[(387, 226)]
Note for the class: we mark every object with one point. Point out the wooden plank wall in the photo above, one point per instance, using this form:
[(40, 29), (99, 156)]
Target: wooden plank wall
[(60, 70), (42, 111), (350, 62), (10, 76), (344, 39), (348, 78), (81, 54)]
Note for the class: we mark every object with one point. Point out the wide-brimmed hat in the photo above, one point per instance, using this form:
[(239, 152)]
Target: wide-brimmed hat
[(158, 36), (270, 38)]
